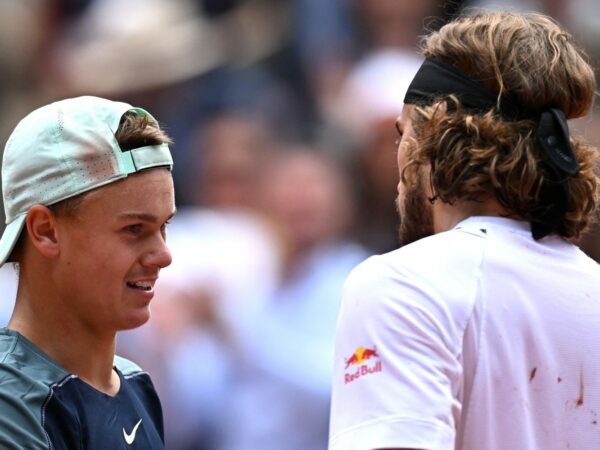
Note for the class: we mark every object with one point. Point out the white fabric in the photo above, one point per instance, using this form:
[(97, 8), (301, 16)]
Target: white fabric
[(476, 338)]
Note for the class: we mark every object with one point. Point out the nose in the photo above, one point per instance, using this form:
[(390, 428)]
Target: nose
[(159, 255)]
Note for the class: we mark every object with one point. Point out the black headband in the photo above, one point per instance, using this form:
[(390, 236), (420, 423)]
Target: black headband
[(436, 80)]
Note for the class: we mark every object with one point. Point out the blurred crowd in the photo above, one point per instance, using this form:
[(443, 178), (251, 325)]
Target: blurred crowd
[(282, 114)]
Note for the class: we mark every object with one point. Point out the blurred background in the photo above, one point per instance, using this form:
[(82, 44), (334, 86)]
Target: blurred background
[(282, 116)]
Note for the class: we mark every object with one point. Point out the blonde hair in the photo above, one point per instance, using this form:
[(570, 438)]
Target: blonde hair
[(534, 64)]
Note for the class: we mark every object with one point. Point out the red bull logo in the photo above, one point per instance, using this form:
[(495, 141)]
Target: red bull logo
[(364, 361)]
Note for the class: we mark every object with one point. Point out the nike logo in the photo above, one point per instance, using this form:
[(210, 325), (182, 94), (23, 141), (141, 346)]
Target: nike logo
[(129, 438)]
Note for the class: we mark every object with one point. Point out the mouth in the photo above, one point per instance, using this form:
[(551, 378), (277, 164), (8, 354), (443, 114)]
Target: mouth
[(141, 285)]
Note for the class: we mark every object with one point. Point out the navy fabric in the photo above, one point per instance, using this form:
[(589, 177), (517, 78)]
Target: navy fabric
[(79, 417), (44, 407)]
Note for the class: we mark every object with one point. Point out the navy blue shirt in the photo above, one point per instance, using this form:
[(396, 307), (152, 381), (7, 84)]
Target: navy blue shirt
[(42, 406)]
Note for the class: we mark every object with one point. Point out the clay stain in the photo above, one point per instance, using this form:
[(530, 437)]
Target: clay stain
[(579, 401), (532, 374)]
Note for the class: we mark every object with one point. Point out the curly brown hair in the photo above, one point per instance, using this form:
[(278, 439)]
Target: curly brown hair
[(531, 61)]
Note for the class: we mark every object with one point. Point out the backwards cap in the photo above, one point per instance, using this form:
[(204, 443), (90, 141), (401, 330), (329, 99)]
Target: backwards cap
[(64, 149)]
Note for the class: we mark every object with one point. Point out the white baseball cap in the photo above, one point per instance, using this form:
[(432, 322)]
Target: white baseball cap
[(64, 149)]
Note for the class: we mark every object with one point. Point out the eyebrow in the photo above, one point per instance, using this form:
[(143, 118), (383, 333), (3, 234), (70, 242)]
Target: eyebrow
[(144, 217)]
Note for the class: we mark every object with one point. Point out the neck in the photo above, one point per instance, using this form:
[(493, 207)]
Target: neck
[(72, 345), (446, 216)]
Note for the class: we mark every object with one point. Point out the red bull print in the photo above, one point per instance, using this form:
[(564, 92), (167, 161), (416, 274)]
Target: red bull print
[(364, 361)]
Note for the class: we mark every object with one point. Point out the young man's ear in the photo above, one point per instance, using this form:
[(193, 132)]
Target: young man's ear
[(42, 231)]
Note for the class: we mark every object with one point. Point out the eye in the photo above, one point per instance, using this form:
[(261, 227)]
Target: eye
[(134, 229), (163, 228), (400, 131)]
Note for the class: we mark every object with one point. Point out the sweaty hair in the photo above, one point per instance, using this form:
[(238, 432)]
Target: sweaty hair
[(530, 60), (139, 131)]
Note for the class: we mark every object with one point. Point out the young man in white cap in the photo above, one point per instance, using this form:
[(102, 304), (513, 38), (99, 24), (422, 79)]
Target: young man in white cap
[(87, 192), (482, 331)]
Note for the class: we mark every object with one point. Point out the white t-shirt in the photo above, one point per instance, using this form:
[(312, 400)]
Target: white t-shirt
[(479, 338)]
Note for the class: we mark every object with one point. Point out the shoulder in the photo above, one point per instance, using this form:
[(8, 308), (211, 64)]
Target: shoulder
[(27, 378), (127, 367), (135, 377), (21, 360), (445, 260), (431, 284)]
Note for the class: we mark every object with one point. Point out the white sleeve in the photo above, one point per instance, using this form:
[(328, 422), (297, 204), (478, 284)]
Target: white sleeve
[(397, 364)]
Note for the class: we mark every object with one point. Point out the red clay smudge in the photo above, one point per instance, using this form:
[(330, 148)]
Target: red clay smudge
[(532, 374), (579, 401)]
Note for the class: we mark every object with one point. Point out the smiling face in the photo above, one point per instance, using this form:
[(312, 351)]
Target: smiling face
[(112, 249), (414, 208)]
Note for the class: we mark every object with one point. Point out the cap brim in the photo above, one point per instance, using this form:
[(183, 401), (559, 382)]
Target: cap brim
[(10, 237)]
